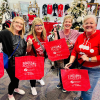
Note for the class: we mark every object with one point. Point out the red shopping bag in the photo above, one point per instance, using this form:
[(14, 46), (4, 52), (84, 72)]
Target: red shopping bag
[(1, 65), (57, 49), (75, 79), (29, 67)]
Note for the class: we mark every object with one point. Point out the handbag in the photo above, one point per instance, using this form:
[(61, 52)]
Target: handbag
[(75, 79), (57, 50), (29, 67), (44, 51), (1, 65), (6, 58)]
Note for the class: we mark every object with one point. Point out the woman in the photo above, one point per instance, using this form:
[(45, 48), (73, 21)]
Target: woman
[(70, 36), (10, 38), (87, 47), (37, 31)]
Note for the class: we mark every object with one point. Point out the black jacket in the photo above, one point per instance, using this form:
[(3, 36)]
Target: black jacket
[(6, 38)]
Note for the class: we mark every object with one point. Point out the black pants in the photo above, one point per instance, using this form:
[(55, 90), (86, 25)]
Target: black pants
[(14, 81), (33, 83)]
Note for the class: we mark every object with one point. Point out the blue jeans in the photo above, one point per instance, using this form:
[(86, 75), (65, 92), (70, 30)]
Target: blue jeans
[(94, 75)]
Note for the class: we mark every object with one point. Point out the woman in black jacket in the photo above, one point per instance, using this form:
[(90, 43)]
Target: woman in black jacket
[(10, 38)]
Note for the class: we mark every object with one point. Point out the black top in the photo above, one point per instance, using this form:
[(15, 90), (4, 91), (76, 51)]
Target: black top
[(66, 7), (9, 43), (55, 7), (44, 9)]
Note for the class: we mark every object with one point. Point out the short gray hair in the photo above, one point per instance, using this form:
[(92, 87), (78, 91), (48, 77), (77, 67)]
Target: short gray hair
[(90, 16)]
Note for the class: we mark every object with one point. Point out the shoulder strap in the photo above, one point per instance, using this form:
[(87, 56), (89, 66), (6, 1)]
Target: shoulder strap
[(15, 49), (40, 44)]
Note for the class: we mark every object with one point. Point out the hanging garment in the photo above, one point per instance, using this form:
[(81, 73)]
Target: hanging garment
[(44, 9), (60, 10), (55, 9)]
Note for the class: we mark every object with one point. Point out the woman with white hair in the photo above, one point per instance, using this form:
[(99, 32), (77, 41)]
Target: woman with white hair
[(87, 47)]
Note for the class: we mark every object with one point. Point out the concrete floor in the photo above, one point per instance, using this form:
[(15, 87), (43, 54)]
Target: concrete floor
[(47, 92)]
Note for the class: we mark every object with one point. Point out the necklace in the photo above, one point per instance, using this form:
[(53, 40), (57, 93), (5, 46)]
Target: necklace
[(68, 38)]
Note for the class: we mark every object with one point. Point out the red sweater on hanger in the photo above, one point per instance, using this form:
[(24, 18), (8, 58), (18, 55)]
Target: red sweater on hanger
[(60, 10), (49, 9), (31, 18)]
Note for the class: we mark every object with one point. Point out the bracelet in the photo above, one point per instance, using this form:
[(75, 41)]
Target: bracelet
[(90, 59)]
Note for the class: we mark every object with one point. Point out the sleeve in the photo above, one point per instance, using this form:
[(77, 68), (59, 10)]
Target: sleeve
[(98, 57), (0, 36)]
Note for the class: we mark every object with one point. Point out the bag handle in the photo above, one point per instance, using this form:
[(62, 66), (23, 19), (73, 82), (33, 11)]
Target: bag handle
[(81, 63), (34, 50)]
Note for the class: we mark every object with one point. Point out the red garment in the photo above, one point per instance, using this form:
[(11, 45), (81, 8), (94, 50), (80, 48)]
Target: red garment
[(37, 46), (31, 18), (60, 10), (49, 26), (49, 9), (89, 46), (14, 13), (17, 14)]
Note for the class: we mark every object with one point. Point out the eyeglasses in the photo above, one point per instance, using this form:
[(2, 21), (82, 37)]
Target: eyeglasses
[(38, 25), (18, 23)]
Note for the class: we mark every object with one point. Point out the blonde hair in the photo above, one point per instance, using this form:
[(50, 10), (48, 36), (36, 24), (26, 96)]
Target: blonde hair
[(68, 17), (21, 33), (89, 16), (33, 32)]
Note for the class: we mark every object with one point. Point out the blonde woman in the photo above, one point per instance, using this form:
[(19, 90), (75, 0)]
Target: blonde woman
[(70, 36), (38, 31), (10, 38)]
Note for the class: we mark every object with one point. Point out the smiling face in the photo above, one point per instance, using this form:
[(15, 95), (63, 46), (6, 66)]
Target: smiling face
[(38, 28), (67, 24), (89, 26), (18, 25)]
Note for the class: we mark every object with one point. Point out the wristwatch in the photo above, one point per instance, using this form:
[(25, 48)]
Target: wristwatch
[(90, 59)]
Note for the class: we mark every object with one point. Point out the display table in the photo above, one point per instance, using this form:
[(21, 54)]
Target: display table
[(49, 26)]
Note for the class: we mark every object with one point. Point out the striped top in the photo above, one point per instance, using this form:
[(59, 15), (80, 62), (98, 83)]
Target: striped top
[(71, 37)]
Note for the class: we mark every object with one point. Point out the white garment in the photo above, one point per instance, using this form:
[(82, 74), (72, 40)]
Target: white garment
[(5, 17)]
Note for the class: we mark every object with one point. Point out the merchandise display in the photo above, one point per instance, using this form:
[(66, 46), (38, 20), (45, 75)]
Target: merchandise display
[(44, 9), (49, 9), (60, 10), (55, 9)]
